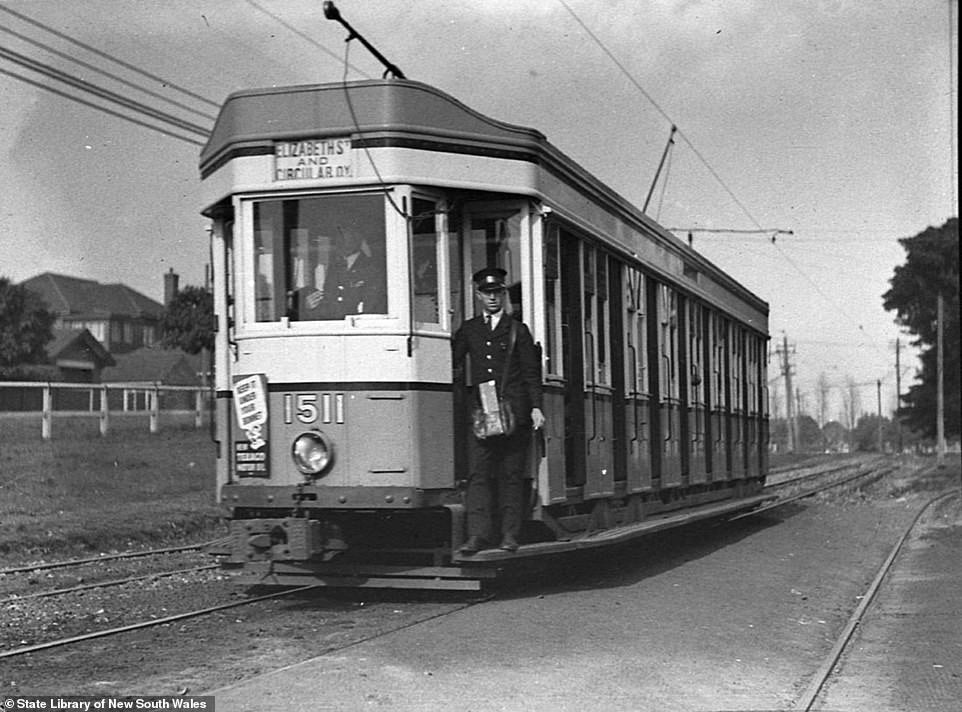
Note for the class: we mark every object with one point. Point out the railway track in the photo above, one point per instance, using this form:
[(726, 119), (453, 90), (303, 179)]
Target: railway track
[(55, 578), (836, 475), (195, 613), (15, 598), (785, 488), (825, 673), (47, 565), (804, 473), (59, 642)]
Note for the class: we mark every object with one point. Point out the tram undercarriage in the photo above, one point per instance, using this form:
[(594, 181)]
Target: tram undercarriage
[(417, 549)]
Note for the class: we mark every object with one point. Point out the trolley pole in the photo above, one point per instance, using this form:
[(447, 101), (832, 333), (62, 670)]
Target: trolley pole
[(661, 164)]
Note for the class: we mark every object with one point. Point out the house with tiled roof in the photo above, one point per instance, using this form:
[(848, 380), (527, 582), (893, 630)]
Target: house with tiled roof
[(76, 356), (120, 318), (145, 367)]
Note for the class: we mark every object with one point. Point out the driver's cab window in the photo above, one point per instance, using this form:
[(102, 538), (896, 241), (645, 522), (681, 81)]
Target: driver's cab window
[(495, 241), (319, 258), (425, 254)]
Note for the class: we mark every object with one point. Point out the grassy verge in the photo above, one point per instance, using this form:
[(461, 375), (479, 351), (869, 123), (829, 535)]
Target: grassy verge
[(81, 493)]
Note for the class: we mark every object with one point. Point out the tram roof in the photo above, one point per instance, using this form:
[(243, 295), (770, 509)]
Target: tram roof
[(407, 113)]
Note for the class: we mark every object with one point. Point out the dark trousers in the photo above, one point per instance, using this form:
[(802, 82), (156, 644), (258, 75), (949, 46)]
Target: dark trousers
[(497, 475)]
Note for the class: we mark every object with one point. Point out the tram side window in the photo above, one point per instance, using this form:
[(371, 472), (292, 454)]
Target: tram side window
[(719, 349), (425, 253), (603, 319), (596, 317), (319, 258), (552, 297), (588, 281), (752, 374), (668, 308), (737, 364), (695, 351), (636, 327)]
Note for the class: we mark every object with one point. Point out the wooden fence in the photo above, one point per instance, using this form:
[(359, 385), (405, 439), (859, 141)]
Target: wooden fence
[(100, 400)]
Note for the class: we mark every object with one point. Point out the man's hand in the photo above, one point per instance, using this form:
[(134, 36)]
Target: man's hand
[(537, 418)]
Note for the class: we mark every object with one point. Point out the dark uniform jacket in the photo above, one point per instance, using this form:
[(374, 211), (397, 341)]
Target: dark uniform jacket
[(488, 349), (359, 289)]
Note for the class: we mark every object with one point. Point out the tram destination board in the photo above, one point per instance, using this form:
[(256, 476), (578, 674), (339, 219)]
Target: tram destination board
[(313, 159)]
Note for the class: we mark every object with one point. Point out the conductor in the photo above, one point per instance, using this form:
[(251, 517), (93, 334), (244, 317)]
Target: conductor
[(497, 463)]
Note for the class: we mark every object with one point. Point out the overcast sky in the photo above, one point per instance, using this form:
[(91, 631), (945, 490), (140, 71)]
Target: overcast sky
[(831, 119)]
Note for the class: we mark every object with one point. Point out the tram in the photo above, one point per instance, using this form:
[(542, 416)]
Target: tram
[(341, 440)]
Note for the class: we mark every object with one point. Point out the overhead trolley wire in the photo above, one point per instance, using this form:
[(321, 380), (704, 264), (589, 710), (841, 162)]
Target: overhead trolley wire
[(305, 37), (704, 161), (100, 107), (85, 86), (663, 113), (115, 77), (110, 57)]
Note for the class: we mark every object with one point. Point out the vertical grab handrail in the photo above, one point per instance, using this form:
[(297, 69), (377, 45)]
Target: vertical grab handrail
[(634, 390), (589, 340), (668, 419)]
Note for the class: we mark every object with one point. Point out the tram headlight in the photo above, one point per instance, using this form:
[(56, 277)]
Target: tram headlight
[(313, 453)]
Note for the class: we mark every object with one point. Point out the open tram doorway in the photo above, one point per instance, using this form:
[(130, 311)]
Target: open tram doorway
[(484, 234), (494, 233)]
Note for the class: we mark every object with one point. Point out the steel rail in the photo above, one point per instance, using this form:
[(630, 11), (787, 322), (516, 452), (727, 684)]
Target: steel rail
[(781, 469), (213, 609), (819, 471), (148, 624), (109, 557), (104, 584), (388, 631), (809, 493), (807, 700)]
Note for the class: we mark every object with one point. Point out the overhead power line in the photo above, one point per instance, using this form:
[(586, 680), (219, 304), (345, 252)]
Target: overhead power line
[(663, 113), (703, 160), (106, 94), (111, 58), (304, 36), (100, 107), (115, 77)]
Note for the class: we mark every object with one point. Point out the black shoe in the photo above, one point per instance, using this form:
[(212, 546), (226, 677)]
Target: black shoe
[(473, 545), (509, 543)]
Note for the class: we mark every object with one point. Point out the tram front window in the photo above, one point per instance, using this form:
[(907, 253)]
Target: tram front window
[(319, 258)]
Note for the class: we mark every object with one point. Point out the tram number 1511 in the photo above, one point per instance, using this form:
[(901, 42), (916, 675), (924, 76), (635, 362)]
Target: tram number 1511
[(310, 408)]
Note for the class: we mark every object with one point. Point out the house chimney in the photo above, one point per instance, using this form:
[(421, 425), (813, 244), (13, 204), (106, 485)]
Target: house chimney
[(171, 280)]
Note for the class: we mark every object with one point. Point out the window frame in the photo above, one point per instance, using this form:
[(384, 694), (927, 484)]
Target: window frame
[(395, 241)]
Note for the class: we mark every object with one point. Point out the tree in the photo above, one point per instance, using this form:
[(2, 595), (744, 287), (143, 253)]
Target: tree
[(810, 437), (931, 268), (25, 328), (188, 321), (865, 435), (836, 436)]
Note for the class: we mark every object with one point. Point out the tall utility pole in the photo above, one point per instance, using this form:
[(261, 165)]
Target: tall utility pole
[(878, 388), (789, 393), (940, 397), (898, 393)]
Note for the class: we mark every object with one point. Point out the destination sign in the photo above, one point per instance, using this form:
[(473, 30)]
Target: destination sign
[(313, 159)]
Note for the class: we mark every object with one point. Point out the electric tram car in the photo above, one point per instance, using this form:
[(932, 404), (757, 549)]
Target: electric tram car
[(342, 442)]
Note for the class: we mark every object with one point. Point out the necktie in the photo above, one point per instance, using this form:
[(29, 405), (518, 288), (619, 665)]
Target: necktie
[(489, 321)]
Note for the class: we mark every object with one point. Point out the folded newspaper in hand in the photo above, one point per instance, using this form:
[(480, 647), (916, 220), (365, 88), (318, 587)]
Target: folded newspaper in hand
[(491, 407)]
